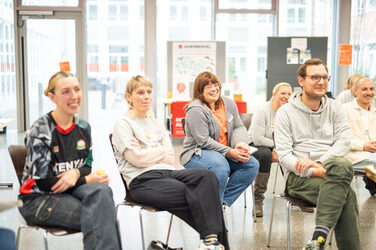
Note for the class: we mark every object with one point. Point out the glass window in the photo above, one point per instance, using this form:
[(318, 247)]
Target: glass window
[(291, 15), (8, 97), (362, 38), (93, 13), (169, 29), (92, 48), (114, 56), (118, 33), (243, 40), (243, 64), (245, 4), (261, 64), (63, 3), (301, 15), (112, 12), (142, 13), (118, 49), (124, 12), (203, 14), (173, 13), (184, 13)]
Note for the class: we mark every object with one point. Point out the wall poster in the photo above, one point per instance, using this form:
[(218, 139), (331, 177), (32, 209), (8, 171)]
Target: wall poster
[(188, 60)]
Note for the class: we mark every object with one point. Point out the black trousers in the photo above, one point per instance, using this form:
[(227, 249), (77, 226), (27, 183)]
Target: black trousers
[(190, 194), (264, 156)]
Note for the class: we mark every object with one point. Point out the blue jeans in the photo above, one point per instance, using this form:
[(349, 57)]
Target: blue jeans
[(233, 177), (7, 239), (89, 208)]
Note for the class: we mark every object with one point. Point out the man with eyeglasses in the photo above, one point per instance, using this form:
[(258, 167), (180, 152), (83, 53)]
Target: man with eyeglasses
[(312, 135)]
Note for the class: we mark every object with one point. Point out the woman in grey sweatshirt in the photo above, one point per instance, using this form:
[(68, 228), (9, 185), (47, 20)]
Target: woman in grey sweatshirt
[(261, 136), (216, 139)]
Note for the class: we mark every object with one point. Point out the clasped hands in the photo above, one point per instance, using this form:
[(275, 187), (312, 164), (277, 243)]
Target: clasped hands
[(302, 164), (69, 179), (240, 152), (370, 146)]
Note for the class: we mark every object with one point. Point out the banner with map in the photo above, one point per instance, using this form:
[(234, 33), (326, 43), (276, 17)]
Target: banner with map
[(188, 60)]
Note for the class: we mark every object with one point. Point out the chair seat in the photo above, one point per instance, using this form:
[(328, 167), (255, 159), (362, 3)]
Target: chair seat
[(60, 231), (297, 202), (147, 208)]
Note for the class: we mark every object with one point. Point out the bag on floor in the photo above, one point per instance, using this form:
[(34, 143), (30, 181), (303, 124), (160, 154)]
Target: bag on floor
[(159, 245)]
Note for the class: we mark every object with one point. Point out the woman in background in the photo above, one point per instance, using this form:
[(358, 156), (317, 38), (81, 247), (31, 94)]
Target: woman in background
[(146, 162), (58, 188), (348, 94), (261, 136), (216, 139)]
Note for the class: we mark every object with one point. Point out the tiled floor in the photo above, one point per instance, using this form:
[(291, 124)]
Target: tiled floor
[(243, 232)]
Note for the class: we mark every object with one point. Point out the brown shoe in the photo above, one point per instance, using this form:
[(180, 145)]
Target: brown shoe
[(370, 173)]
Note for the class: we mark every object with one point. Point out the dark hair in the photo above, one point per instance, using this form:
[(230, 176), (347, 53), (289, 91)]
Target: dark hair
[(204, 79), (302, 71)]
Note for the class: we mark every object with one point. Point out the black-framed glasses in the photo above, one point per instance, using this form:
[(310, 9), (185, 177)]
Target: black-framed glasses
[(317, 78)]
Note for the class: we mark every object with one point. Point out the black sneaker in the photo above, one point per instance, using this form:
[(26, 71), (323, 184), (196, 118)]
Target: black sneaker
[(370, 185)]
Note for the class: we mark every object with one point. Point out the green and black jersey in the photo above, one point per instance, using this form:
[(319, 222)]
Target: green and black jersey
[(52, 150)]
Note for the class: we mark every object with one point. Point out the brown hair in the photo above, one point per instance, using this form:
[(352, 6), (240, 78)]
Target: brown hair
[(204, 79), (302, 71), (353, 80), (55, 79), (135, 82)]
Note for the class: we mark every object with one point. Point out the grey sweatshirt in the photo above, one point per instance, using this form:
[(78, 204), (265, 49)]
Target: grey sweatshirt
[(301, 132), (202, 129), (261, 130)]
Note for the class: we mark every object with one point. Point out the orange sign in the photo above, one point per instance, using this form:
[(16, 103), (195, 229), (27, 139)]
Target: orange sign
[(64, 66), (345, 54)]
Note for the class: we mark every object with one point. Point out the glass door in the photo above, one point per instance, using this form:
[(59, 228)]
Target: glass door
[(46, 38), (49, 42)]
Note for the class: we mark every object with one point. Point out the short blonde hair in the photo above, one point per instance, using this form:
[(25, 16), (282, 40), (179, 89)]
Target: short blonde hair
[(278, 86), (55, 78), (353, 80), (135, 82)]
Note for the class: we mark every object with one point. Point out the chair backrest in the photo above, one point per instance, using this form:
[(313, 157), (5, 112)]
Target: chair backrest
[(128, 196), (246, 119), (18, 156)]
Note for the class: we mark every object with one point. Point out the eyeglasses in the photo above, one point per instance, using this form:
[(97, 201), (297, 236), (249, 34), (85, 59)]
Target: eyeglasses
[(211, 85), (317, 78)]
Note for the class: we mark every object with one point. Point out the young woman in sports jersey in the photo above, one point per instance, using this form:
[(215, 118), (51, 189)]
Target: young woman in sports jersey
[(58, 187), (146, 161)]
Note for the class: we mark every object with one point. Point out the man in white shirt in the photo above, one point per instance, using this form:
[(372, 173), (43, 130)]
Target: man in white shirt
[(362, 119)]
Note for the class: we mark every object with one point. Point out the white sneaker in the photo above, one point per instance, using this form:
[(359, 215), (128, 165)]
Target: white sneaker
[(215, 246)]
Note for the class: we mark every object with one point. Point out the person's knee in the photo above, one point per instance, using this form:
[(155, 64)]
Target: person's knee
[(264, 153), (340, 167), (102, 189)]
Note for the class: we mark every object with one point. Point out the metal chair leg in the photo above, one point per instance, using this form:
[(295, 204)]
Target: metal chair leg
[(245, 198), (288, 207), (169, 229), (254, 203), (271, 221), (330, 236), (45, 239), (142, 230), (275, 178), (19, 236)]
